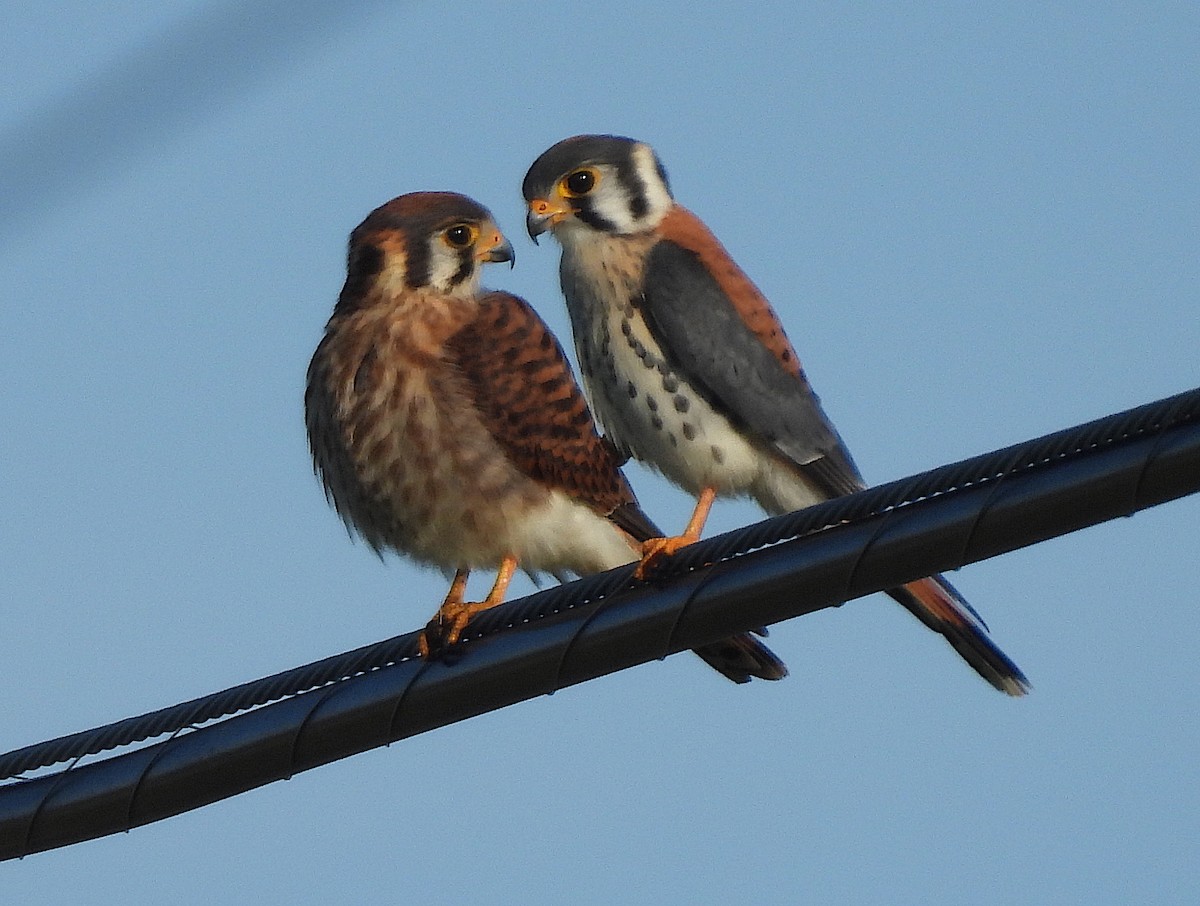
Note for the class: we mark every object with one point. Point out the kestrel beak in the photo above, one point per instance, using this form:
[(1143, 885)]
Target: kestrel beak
[(544, 215), (498, 249)]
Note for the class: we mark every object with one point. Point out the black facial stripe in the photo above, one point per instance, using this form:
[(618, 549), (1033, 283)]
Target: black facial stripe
[(635, 187), (594, 220), (466, 266), (416, 273), (363, 264)]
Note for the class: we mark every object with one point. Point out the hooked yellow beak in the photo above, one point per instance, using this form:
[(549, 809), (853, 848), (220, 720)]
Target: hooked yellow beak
[(497, 248), (544, 215)]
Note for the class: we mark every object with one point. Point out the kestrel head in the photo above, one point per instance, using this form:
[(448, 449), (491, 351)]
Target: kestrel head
[(424, 240), (602, 183)]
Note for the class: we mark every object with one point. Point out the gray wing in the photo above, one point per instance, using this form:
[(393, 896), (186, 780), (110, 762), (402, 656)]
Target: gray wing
[(701, 330)]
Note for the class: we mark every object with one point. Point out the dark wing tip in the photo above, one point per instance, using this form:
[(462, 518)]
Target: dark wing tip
[(742, 658), (937, 604), (632, 519)]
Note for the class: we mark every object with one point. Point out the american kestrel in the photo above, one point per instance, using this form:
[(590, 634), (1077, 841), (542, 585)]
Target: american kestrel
[(446, 425), (687, 365)]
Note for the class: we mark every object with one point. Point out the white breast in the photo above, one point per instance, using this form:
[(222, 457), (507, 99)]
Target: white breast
[(643, 403), (662, 418)]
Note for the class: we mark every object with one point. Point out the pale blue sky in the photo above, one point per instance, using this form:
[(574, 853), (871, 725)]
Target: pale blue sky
[(979, 224)]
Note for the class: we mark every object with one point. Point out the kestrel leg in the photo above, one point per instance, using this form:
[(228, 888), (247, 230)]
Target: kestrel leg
[(655, 550), (454, 614)]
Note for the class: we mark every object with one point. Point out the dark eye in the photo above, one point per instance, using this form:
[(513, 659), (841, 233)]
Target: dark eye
[(460, 235), (580, 182)]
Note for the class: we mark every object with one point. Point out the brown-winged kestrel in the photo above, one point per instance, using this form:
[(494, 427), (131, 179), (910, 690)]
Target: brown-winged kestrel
[(688, 367), (446, 425)]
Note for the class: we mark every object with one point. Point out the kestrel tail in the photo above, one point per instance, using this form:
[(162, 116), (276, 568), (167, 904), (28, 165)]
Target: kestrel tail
[(688, 366), (445, 423)]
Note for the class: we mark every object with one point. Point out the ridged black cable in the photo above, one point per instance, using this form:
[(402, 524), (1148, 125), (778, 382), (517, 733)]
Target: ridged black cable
[(644, 623), (990, 468), (209, 707), (987, 468)]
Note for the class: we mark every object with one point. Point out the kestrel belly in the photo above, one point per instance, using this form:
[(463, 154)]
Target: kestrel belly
[(646, 405), (408, 466)]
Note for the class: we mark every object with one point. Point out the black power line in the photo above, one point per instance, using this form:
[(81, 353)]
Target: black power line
[(987, 468), (842, 549), (145, 96)]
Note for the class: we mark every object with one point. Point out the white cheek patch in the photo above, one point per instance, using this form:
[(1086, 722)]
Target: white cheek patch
[(658, 196), (444, 265), (611, 202), (614, 199)]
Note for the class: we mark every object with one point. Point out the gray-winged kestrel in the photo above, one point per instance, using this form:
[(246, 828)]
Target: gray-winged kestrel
[(687, 365)]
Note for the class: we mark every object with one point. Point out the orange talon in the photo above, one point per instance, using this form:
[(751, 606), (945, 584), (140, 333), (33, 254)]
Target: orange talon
[(452, 617), (453, 601), (655, 550)]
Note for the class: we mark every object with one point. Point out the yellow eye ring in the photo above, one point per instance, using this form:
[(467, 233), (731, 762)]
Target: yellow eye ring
[(580, 182), (460, 235)]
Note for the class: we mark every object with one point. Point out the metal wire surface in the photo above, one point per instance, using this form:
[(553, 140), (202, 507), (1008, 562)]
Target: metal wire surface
[(1052, 488), (989, 469)]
